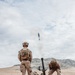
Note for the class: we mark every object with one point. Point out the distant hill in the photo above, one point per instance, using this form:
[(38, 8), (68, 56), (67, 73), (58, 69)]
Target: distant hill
[(64, 63)]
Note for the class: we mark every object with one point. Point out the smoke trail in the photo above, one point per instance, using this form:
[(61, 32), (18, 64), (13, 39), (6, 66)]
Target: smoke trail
[(36, 34), (40, 45)]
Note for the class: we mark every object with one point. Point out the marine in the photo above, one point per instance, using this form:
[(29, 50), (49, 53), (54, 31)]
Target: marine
[(54, 66), (25, 57)]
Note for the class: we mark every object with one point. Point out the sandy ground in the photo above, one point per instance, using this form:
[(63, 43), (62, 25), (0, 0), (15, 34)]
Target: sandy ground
[(15, 71)]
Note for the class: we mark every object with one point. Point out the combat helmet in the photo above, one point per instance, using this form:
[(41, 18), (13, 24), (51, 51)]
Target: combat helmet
[(53, 60), (25, 43)]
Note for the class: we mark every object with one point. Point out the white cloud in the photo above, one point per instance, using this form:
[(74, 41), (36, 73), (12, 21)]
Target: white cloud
[(21, 21)]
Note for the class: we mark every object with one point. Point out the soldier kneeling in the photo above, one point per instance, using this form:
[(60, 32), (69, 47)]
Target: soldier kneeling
[(54, 66)]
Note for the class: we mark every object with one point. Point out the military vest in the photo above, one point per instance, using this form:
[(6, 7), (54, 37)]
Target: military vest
[(24, 54)]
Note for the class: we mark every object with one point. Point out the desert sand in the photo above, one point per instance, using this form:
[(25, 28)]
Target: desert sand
[(15, 71)]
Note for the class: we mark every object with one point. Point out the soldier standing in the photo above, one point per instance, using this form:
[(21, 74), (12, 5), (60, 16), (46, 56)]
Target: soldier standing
[(25, 57), (54, 66)]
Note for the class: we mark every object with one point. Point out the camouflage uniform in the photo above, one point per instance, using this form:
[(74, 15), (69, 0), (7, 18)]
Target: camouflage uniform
[(25, 57), (54, 66)]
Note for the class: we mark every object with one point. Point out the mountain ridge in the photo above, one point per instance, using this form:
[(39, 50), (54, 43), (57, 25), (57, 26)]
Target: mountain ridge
[(64, 63)]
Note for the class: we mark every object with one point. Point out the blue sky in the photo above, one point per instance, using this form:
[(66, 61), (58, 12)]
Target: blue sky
[(21, 20)]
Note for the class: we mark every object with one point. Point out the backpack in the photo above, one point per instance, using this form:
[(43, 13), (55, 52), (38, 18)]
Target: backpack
[(24, 54)]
